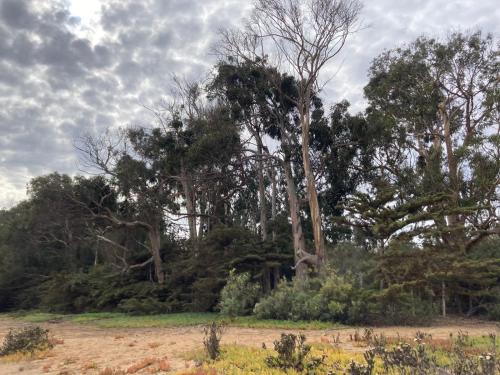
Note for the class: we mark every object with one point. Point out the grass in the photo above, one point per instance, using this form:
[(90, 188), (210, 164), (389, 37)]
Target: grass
[(244, 360), (122, 320), (238, 359)]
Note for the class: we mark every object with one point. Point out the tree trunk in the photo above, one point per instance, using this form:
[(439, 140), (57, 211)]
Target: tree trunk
[(273, 200), (155, 244), (262, 192), (299, 245), (454, 221), (187, 186), (312, 193)]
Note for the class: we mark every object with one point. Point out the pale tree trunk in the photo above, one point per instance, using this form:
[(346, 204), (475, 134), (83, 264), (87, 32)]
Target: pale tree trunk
[(155, 245), (262, 192), (187, 186), (273, 200), (299, 245), (454, 220), (312, 193), (203, 207)]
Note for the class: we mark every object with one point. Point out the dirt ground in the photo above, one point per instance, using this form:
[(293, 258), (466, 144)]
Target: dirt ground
[(85, 349)]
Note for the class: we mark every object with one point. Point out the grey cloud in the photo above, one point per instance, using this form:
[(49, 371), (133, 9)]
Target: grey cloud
[(55, 84), (16, 14)]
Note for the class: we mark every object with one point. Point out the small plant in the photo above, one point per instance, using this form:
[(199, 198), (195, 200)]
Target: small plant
[(292, 354), (239, 296), (26, 340), (356, 368), (403, 359), (213, 334), (368, 335)]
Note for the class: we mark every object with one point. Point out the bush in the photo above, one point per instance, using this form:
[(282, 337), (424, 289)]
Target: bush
[(396, 306), (213, 334), (293, 354), (25, 340), (326, 299), (239, 295), (334, 298)]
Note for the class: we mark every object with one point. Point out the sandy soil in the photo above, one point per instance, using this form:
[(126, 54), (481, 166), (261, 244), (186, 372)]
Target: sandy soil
[(85, 349)]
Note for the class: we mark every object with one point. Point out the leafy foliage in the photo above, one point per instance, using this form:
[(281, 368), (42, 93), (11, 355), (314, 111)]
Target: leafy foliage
[(239, 295), (25, 340), (293, 353)]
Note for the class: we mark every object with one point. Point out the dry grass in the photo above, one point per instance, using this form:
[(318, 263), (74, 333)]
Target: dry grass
[(200, 372), (110, 371), (18, 357), (146, 362)]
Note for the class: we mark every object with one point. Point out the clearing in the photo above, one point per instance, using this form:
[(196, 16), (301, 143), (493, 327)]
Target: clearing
[(90, 348)]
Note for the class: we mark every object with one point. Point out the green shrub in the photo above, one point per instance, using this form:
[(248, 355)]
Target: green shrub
[(25, 340), (394, 305), (239, 295), (293, 353), (326, 299), (334, 298)]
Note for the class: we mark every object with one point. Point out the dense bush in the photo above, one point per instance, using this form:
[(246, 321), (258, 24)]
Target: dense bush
[(25, 340), (313, 299), (334, 298), (103, 290), (239, 295)]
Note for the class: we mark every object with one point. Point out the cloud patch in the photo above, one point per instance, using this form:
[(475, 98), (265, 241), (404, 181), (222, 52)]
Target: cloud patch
[(60, 78)]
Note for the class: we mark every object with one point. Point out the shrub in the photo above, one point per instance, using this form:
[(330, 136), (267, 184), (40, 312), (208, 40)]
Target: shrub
[(394, 305), (25, 340), (213, 334), (239, 295), (326, 299), (293, 354)]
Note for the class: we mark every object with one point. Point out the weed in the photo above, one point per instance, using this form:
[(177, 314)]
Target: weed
[(213, 334), (26, 340), (292, 354)]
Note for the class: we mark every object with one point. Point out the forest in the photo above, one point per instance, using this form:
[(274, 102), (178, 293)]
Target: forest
[(251, 194)]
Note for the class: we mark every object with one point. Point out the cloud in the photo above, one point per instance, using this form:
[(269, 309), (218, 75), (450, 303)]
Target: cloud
[(60, 78)]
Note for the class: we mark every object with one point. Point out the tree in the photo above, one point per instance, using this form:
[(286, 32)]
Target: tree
[(435, 178), (141, 189), (306, 36)]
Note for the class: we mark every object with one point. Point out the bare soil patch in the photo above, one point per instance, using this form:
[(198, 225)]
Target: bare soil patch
[(85, 349)]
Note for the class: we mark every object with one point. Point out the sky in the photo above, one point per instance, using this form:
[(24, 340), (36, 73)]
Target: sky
[(73, 67)]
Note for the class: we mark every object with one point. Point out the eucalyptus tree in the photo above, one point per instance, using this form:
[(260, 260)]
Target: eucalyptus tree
[(436, 173), (142, 192), (306, 36)]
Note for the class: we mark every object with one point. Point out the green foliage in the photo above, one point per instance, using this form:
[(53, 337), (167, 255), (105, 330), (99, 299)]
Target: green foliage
[(102, 290), (394, 305), (25, 340), (239, 295), (293, 353), (326, 299), (144, 306), (335, 299)]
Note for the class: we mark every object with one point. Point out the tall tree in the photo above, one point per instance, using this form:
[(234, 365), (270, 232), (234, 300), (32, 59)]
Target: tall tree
[(306, 36)]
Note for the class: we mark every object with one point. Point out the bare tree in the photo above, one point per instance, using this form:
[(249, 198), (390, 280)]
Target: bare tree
[(306, 35)]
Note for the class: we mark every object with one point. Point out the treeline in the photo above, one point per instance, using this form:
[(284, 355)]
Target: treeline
[(389, 214)]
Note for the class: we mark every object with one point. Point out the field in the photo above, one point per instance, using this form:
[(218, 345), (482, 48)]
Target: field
[(90, 343)]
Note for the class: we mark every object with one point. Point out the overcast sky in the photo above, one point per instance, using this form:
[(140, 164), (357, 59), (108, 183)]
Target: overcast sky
[(73, 67)]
